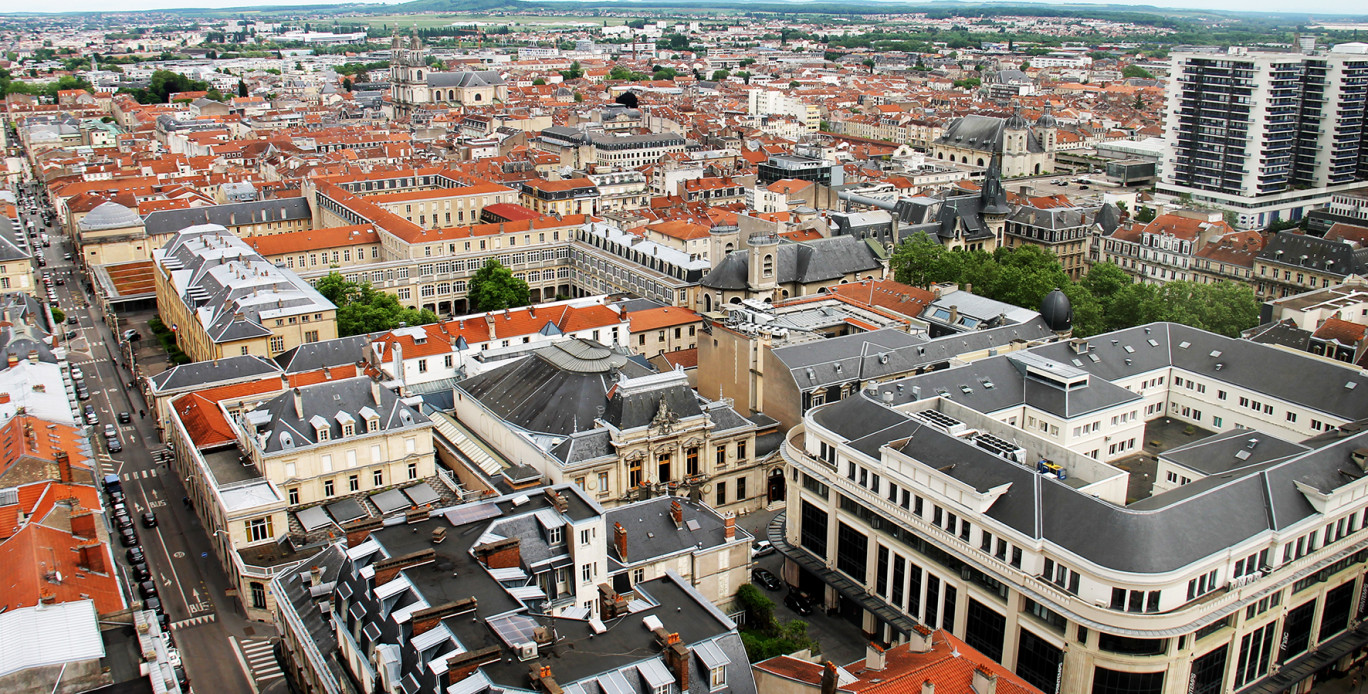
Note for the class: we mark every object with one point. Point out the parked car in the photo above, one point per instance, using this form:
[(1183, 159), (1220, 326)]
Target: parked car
[(149, 520), (73, 320), (114, 445), (140, 572), (147, 589), (111, 431), (760, 548), (61, 281), (82, 393), (765, 578), (153, 604), (128, 538), (798, 602), (125, 417), (76, 373), (135, 555)]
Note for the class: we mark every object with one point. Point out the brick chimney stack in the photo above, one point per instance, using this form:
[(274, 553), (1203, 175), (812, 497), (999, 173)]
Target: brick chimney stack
[(677, 514), (93, 558), (874, 657), (501, 554), (426, 619), (359, 531), (620, 540), (984, 682), (729, 525), (387, 569), (829, 678), (464, 665), (83, 524), (63, 466)]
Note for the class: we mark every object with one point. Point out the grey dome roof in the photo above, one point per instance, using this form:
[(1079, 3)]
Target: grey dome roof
[(1057, 312), (1047, 119), (1017, 121), (110, 215)]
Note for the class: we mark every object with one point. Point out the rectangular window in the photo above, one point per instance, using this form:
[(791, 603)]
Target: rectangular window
[(259, 529), (354, 483), (378, 478)]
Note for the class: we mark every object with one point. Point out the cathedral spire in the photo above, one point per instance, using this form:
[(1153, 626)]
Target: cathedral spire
[(992, 197)]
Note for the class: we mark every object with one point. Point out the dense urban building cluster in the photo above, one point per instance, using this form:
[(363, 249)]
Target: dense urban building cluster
[(450, 358)]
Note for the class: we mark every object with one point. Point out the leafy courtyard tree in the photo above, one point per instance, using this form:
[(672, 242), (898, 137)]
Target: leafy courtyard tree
[(494, 287), (362, 309)]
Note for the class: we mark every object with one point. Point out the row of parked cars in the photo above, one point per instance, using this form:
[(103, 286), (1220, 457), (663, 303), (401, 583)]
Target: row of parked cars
[(128, 537)]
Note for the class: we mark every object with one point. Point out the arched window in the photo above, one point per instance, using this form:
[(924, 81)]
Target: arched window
[(451, 95), (479, 96), (980, 161), (707, 303), (767, 266)]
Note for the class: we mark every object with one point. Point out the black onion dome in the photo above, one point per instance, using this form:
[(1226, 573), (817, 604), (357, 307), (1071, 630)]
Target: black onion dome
[(1057, 312)]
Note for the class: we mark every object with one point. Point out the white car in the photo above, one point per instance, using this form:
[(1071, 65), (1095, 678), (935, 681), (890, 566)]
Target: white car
[(77, 374)]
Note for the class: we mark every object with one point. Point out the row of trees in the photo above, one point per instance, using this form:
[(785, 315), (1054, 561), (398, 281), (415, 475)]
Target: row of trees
[(363, 309), (1105, 299)]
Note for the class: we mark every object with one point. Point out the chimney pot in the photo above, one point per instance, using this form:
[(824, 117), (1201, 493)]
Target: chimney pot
[(729, 525), (620, 540)]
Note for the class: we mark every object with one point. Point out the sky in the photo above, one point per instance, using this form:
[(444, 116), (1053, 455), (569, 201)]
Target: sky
[(1324, 6)]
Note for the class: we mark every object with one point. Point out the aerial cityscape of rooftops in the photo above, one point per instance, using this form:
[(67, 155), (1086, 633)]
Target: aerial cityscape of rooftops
[(443, 347)]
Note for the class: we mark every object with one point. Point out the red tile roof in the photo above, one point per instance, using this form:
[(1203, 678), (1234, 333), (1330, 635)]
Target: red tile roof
[(664, 317), (1341, 331), (312, 240), (897, 297), (45, 563), (949, 665)]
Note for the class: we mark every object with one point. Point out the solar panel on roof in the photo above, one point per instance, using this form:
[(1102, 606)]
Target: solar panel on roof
[(515, 629)]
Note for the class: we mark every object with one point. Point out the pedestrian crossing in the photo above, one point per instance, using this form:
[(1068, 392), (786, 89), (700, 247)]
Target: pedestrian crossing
[(261, 660), (138, 475), (193, 622)]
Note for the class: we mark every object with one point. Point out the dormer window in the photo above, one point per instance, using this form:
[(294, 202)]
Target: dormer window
[(322, 430), (347, 423), (347, 430)]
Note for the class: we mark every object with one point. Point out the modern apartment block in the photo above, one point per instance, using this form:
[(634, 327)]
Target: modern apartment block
[(937, 501), (1268, 135)]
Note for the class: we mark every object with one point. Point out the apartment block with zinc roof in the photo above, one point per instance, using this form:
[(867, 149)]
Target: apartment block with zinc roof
[(223, 299)]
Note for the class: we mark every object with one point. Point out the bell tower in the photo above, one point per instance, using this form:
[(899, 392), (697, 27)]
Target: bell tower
[(408, 74)]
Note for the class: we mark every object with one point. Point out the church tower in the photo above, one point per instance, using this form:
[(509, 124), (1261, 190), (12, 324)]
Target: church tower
[(762, 268), (408, 75), (1016, 135)]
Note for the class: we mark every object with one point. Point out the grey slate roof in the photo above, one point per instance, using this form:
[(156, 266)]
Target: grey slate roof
[(802, 263), (232, 214), (651, 532), (552, 391), (1315, 253), (109, 215), (982, 133), (327, 403), (312, 356), (484, 78), (203, 374), (1231, 450)]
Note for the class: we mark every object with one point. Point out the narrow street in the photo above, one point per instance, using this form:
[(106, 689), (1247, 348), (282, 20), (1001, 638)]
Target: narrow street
[(190, 582)]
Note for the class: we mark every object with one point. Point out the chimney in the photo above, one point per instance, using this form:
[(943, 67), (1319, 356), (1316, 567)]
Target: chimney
[(829, 678), (425, 619), (500, 554), (387, 569), (93, 558), (83, 524), (359, 531), (4, 398), (284, 381), (954, 315), (874, 656), (919, 640), (984, 682), (489, 323), (677, 514), (543, 679), (611, 604), (375, 391), (464, 665), (928, 687), (620, 539), (315, 576), (729, 525), (676, 658), (298, 403), (13, 359), (558, 500), (63, 466)]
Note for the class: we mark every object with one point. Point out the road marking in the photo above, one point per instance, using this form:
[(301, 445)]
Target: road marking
[(194, 622), (242, 662), (260, 657)]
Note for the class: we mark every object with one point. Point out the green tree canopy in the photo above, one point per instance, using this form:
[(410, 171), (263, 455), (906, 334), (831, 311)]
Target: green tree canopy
[(1136, 71), (494, 287), (1105, 299), (361, 309)]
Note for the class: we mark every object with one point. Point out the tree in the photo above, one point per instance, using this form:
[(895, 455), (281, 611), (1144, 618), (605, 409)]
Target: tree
[(745, 76), (361, 309), (347, 83), (494, 287), (1025, 65), (1104, 280), (575, 72), (869, 63), (793, 84), (1145, 214), (538, 82), (1139, 103), (720, 75), (58, 316), (1136, 71)]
